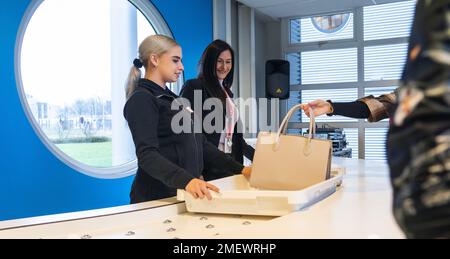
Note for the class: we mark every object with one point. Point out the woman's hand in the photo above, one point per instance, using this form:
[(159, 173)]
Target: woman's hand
[(247, 171), (320, 107), (199, 189)]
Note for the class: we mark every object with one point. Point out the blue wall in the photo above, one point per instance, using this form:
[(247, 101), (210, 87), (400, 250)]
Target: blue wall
[(32, 181), (191, 23)]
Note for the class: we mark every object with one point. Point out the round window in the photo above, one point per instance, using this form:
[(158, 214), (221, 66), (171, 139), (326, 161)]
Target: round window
[(331, 23), (72, 61)]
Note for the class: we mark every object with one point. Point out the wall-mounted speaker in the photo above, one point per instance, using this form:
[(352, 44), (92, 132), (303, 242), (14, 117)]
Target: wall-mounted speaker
[(277, 79)]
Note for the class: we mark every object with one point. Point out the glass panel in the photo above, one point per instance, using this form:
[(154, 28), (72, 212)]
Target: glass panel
[(329, 66), (294, 99), (322, 28), (352, 141), (295, 71), (384, 62), (68, 67), (376, 144), (388, 20), (295, 131)]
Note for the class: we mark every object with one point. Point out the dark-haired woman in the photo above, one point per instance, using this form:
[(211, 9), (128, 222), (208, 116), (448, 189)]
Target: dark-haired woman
[(214, 81)]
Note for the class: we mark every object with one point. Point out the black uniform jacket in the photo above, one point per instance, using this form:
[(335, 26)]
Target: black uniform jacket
[(167, 161)]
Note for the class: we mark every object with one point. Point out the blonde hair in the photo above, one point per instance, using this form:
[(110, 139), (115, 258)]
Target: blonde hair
[(152, 45)]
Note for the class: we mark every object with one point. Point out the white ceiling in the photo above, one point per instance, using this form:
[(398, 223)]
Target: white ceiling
[(288, 8)]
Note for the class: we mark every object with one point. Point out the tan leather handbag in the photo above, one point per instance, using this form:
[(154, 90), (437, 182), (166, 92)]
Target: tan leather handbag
[(285, 162)]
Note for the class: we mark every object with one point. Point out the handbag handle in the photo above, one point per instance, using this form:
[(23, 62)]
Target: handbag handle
[(284, 125)]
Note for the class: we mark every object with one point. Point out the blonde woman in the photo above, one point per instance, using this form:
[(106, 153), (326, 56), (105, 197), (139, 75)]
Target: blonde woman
[(166, 161)]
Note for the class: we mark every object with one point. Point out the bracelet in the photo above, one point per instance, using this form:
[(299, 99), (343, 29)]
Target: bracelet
[(332, 108)]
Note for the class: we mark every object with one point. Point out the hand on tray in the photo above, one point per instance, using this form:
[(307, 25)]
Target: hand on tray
[(200, 189)]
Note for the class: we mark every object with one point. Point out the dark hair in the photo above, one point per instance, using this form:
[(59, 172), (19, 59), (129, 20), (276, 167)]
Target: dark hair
[(208, 69)]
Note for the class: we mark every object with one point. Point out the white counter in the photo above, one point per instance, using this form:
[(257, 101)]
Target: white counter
[(361, 208)]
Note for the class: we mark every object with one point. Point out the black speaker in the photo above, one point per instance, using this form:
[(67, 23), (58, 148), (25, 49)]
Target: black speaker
[(277, 79)]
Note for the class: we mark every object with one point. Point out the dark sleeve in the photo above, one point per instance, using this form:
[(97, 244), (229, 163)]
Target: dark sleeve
[(249, 151), (188, 91), (217, 162), (141, 112), (358, 110)]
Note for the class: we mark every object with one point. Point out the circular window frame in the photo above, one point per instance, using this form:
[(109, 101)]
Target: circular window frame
[(151, 13), (333, 31)]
